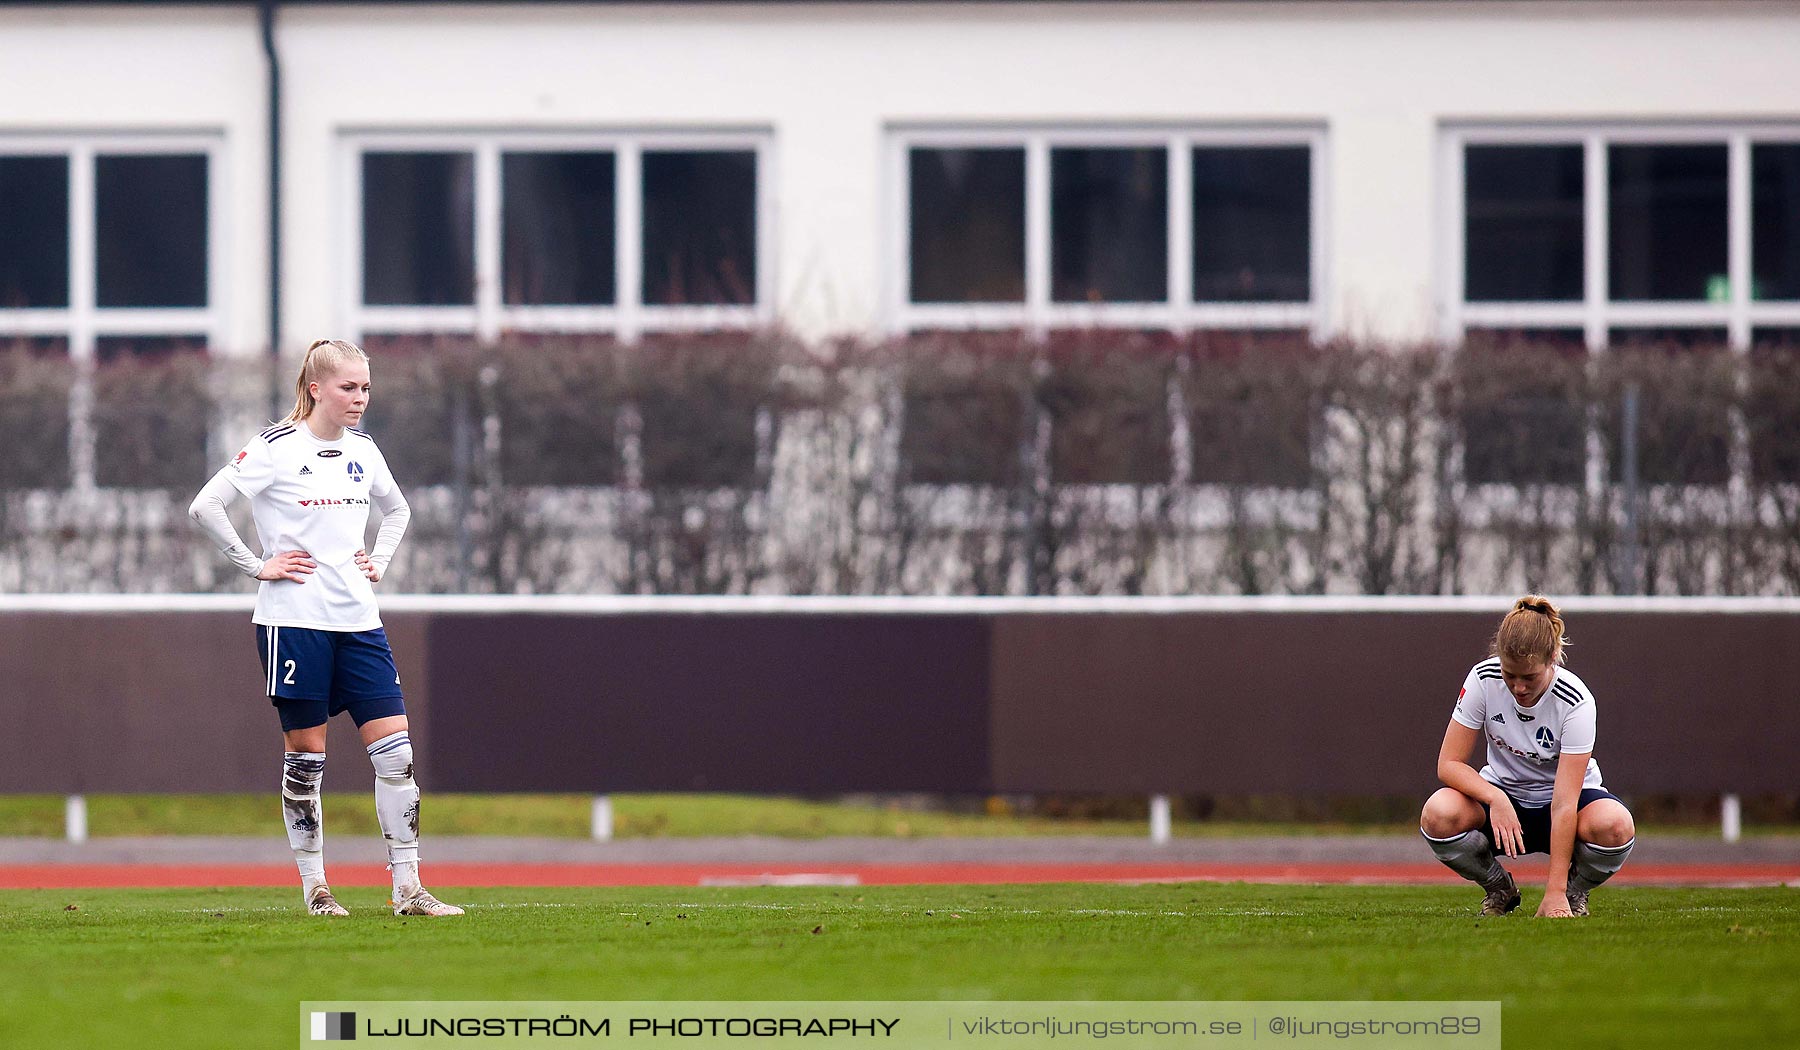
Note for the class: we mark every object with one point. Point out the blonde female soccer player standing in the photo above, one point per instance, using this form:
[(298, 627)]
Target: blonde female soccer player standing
[(311, 479), (1540, 789)]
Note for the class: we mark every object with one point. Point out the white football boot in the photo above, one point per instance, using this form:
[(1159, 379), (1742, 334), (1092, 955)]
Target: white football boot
[(417, 900), (321, 902)]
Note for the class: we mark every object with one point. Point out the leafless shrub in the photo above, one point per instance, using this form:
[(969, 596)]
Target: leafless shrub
[(1083, 462)]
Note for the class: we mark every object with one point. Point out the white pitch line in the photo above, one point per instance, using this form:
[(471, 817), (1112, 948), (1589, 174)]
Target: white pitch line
[(798, 879), (855, 908)]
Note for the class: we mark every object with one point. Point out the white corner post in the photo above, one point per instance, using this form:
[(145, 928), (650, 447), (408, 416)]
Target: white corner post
[(603, 818), (75, 819), (1731, 817), (1159, 819)]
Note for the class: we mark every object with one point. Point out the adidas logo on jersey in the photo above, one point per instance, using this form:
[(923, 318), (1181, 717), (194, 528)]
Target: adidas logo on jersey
[(304, 469), (1501, 718)]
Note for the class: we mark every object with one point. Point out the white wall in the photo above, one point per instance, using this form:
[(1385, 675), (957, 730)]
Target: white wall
[(829, 79)]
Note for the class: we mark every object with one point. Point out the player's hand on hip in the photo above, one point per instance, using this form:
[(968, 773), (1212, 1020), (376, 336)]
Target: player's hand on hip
[(1509, 835), (1555, 905), (368, 566), (288, 565)]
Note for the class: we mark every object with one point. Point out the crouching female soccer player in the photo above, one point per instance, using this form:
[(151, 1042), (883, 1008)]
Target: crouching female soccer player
[(1540, 790), (311, 479)]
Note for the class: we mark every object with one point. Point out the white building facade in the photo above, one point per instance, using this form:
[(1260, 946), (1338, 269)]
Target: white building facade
[(1402, 171)]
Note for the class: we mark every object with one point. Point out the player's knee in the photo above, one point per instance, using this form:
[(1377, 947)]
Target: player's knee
[(392, 757), (1445, 814), (1612, 826), (1428, 818), (310, 740)]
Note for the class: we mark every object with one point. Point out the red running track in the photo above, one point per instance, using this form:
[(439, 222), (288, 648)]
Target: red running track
[(74, 876)]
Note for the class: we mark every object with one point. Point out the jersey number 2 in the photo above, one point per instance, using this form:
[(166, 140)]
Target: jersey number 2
[(289, 680)]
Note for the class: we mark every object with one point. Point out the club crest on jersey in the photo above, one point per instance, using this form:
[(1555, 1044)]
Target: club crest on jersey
[(355, 470), (1504, 746), (1545, 738)]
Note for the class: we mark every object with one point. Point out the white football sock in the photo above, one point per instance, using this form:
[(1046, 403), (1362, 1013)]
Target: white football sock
[(397, 806), (302, 773)]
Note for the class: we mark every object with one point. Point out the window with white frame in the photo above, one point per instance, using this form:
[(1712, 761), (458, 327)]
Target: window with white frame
[(109, 255), (480, 234), (107, 239), (1159, 228), (1624, 239), (1616, 231)]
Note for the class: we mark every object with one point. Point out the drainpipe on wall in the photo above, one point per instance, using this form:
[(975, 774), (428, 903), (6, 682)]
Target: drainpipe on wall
[(266, 10)]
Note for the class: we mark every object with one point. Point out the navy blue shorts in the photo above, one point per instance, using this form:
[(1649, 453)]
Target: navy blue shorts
[(311, 675), (1534, 821)]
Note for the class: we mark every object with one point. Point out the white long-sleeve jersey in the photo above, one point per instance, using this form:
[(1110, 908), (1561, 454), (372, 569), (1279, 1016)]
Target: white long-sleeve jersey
[(311, 495)]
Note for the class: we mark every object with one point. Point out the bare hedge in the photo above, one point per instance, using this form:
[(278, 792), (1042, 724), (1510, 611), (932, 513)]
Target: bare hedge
[(958, 463)]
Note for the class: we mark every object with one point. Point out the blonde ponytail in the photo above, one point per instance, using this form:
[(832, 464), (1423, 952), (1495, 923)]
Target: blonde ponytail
[(1533, 630), (323, 358)]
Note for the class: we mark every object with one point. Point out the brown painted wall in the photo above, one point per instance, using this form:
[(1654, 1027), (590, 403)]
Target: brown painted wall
[(165, 702), (1226, 703), (1185, 702), (754, 702), (1357, 702), (114, 702)]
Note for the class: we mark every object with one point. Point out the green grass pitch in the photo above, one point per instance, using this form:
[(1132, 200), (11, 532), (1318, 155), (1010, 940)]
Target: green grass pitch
[(1677, 968)]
